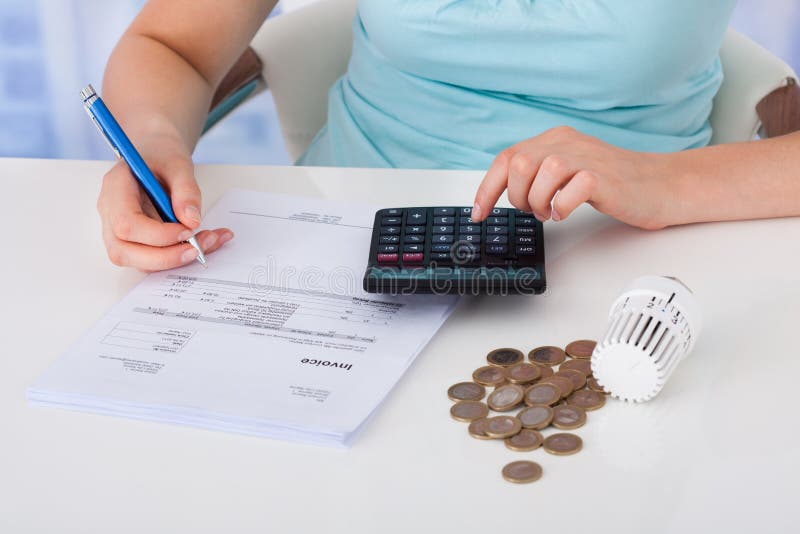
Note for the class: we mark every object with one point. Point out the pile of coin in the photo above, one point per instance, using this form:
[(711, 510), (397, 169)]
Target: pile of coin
[(555, 387)]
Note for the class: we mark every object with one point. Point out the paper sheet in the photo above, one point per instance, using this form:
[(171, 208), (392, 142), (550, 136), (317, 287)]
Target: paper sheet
[(276, 338)]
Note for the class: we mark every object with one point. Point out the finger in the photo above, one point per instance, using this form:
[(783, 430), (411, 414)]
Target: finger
[(553, 173), (211, 240), (492, 185), (521, 170), (577, 191), (178, 174)]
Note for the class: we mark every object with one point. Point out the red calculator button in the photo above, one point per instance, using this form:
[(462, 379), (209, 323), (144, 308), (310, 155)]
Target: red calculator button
[(387, 258), (412, 257)]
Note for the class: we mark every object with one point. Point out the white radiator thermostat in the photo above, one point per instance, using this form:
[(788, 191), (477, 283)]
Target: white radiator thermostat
[(652, 326)]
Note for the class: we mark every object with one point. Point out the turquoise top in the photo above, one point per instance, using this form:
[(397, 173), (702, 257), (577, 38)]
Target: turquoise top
[(450, 83)]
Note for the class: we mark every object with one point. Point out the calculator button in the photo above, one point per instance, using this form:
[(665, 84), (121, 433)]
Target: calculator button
[(526, 250), (391, 221), (466, 220), (390, 230), (415, 238), (387, 249), (415, 229), (497, 229), (527, 230), (497, 239), (444, 211), (523, 213), (525, 240), (525, 221), (470, 238), (412, 257), (416, 216), (442, 238), (387, 258), (500, 212), (440, 247), (497, 249), (497, 220), (413, 248), (390, 239), (440, 256), (469, 229), (465, 211), (394, 212), (442, 229), (444, 220)]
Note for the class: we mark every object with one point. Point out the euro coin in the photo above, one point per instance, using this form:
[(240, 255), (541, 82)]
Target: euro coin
[(578, 379), (545, 370), (505, 398), (581, 349), (523, 373), (526, 440), (547, 355), (563, 384), (546, 394), (522, 472), (505, 357), (466, 391), (587, 399), (584, 366), (594, 385), (489, 375), (477, 429), (567, 417), (468, 411), (535, 417), (502, 426), (563, 444)]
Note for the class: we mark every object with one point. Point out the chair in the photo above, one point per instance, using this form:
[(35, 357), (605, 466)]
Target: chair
[(300, 54)]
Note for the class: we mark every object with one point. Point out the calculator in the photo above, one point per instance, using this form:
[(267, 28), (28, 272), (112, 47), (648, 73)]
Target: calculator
[(442, 250)]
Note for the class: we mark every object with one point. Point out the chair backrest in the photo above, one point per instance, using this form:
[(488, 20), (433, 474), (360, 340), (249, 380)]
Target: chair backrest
[(305, 51)]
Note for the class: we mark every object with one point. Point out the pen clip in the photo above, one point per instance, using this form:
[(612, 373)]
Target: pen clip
[(102, 132)]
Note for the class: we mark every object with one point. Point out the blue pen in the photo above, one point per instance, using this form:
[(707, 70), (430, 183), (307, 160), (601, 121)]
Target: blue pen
[(124, 149)]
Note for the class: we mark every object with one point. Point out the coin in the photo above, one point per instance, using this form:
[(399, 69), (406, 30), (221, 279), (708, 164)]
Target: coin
[(587, 399), (466, 391), (594, 385), (546, 370), (489, 375), (477, 429), (578, 379), (547, 355), (581, 349), (526, 440), (502, 426), (523, 373), (468, 411), (568, 417), (535, 417), (547, 394), (584, 366), (522, 471), (563, 444), (505, 398), (563, 384), (505, 357)]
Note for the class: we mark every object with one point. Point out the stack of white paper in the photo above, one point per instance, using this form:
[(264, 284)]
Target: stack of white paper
[(276, 338)]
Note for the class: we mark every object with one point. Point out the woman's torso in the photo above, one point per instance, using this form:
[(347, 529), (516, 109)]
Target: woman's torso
[(448, 84)]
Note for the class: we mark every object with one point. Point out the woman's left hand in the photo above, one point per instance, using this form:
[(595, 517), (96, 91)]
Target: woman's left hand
[(553, 173)]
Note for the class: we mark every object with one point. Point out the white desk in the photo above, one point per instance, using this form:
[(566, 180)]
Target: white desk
[(717, 451)]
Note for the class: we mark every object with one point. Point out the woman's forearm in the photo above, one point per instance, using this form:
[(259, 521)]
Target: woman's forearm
[(751, 180)]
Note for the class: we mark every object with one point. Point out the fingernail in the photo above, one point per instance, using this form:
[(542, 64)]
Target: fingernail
[(189, 255), (556, 216), (185, 235), (476, 212), (192, 213), (539, 217), (227, 236), (209, 241)]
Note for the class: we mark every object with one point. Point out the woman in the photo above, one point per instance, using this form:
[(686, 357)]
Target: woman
[(565, 101)]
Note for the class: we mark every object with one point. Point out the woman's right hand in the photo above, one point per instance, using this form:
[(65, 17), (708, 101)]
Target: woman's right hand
[(133, 233)]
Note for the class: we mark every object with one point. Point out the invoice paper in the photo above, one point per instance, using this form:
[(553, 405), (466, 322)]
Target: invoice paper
[(276, 338)]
